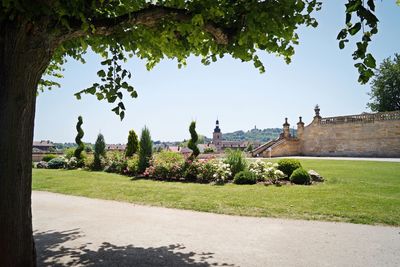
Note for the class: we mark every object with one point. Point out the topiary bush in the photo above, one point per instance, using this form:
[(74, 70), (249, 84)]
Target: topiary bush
[(193, 141), (56, 163), (78, 141), (236, 161), (287, 166), (245, 177), (49, 157), (300, 176)]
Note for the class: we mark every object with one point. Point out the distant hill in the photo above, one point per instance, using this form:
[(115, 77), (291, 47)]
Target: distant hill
[(260, 135)]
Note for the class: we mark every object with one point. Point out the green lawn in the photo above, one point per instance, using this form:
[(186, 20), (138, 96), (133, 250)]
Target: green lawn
[(355, 191)]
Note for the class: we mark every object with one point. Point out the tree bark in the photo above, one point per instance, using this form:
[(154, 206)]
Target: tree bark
[(24, 55)]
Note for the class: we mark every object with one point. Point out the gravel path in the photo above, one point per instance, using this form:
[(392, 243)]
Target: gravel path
[(77, 231)]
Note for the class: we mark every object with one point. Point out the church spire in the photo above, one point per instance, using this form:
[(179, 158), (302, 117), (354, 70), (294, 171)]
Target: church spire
[(217, 129)]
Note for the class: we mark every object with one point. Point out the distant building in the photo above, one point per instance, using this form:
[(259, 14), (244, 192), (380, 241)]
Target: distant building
[(221, 144), (43, 146), (115, 147)]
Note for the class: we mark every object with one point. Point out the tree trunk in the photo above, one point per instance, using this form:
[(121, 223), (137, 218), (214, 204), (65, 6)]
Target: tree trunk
[(24, 55)]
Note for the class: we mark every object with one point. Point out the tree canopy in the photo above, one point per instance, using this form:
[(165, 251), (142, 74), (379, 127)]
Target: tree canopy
[(153, 30), (385, 86)]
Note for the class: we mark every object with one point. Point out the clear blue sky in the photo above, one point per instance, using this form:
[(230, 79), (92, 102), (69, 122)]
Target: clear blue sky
[(235, 92)]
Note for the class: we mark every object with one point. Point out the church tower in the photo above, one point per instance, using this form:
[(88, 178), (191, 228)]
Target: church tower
[(217, 136)]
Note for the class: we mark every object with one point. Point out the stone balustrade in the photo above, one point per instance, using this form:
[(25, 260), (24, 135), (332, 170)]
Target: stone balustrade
[(363, 118)]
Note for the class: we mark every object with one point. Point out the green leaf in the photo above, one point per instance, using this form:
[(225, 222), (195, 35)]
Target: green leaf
[(353, 30), (101, 73), (369, 61)]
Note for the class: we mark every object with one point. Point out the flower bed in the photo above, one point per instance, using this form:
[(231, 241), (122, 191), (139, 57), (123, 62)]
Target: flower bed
[(172, 166)]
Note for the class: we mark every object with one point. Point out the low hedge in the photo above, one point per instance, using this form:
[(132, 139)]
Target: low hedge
[(245, 177), (300, 176), (287, 166)]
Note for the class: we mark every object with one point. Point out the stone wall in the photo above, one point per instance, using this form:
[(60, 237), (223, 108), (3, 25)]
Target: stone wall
[(364, 135), (284, 147)]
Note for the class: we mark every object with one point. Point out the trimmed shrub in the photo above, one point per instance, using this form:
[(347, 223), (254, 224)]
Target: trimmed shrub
[(56, 163), (287, 166), (193, 141), (236, 161), (78, 141), (99, 153), (300, 176), (133, 144), (245, 177), (49, 157), (145, 150)]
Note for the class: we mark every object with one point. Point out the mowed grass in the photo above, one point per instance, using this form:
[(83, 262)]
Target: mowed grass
[(355, 191)]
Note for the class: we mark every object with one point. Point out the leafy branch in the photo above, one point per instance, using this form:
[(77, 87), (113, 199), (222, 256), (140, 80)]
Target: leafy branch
[(113, 81), (367, 22)]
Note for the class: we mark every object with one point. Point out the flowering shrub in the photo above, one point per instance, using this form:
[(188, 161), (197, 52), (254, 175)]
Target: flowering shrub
[(71, 163), (266, 171), (208, 169), (192, 169), (166, 165), (116, 163), (222, 172), (259, 168), (133, 165)]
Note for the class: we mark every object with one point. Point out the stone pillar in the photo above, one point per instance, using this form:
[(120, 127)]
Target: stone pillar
[(300, 128), (317, 117), (286, 129)]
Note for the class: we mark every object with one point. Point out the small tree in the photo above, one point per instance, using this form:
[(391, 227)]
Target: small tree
[(385, 86), (99, 152), (78, 140), (145, 150), (133, 144), (193, 140)]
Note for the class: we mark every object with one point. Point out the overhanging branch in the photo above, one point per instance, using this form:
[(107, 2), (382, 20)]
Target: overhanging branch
[(149, 17)]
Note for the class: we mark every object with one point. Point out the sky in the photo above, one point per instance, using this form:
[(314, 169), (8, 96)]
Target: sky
[(230, 90)]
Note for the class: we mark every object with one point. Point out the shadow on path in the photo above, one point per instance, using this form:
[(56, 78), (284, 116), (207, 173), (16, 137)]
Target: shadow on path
[(51, 251)]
